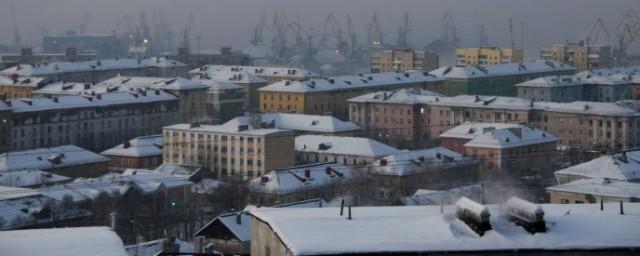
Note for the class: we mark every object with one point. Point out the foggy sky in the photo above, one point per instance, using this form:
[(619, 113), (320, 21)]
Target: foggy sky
[(230, 22)]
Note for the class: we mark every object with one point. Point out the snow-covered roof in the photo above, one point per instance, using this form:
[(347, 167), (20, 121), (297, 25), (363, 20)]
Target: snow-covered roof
[(419, 161), (47, 158), (87, 101), (438, 197), (149, 181), (623, 166), (10, 192), (322, 231), (29, 178), (469, 72), (93, 65), (176, 83), (301, 178), (354, 146), (179, 169), (293, 73), (31, 82), (138, 147), (349, 82), (218, 86), (621, 108), (600, 187), (498, 135), (96, 241), (552, 81), (299, 122), (402, 96), (610, 71), (151, 248), (224, 128)]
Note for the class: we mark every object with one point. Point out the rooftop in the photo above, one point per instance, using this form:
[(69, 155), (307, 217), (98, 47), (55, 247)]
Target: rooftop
[(419, 161), (349, 82), (32, 82), (30, 178), (294, 73), (138, 147), (498, 135), (47, 158), (230, 128), (469, 72), (354, 146), (622, 166), (315, 231), (401, 96), (94, 65), (301, 178), (96, 241), (553, 81), (601, 188), (298, 122), (86, 101)]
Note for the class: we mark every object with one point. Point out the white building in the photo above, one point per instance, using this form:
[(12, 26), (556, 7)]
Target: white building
[(353, 151), (300, 123)]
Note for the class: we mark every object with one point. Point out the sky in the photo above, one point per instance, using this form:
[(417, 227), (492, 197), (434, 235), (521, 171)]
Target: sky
[(230, 22)]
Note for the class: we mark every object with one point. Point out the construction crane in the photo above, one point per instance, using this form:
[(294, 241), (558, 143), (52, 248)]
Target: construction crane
[(375, 33), (132, 33), (279, 29), (186, 32), (17, 39), (259, 30), (82, 29), (336, 32), (353, 37), (482, 40), (403, 40), (596, 30), (449, 30), (628, 32)]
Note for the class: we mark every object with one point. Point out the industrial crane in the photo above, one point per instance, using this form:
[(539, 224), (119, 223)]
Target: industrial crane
[(375, 33), (332, 23), (259, 30), (596, 30), (628, 32), (404, 31)]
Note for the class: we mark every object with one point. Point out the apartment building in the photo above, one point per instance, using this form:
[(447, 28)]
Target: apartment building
[(224, 100), (229, 150), (330, 95), (398, 60), (487, 56), (582, 57), (579, 124), (98, 70), (503, 147), (301, 124), (92, 122), (552, 88), (19, 87), (497, 79), (144, 152), (248, 81), (270, 74), (192, 95)]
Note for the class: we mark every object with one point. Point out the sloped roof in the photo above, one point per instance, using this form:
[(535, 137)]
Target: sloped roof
[(138, 147), (294, 179), (30, 177), (469, 72), (420, 161), (355, 146), (623, 166), (600, 187), (69, 155), (498, 135), (299, 122), (82, 66), (96, 241)]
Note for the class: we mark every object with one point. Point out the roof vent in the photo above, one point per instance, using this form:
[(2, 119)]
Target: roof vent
[(126, 144), (526, 214)]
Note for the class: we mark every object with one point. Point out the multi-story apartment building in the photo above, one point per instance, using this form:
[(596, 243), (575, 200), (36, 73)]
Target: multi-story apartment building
[(487, 56), (504, 147), (144, 152), (270, 74), (92, 122), (19, 87), (579, 124), (229, 150), (192, 95), (578, 55), (330, 95), (497, 79), (248, 81), (397, 60), (98, 70), (552, 88), (301, 124), (224, 100)]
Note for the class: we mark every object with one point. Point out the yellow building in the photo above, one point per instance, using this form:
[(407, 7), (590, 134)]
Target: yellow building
[(401, 60), (230, 150), (487, 56), (578, 55), (330, 95), (18, 87)]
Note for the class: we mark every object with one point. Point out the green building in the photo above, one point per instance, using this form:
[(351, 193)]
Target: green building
[(552, 89), (498, 80), (224, 100)]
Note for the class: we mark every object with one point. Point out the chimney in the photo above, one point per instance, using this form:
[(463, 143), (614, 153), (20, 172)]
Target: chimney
[(488, 129), (239, 218), (264, 179), (307, 173), (383, 162), (126, 144), (55, 99)]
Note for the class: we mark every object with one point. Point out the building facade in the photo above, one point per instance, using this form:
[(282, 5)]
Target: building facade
[(19, 87), (143, 152), (553, 89), (487, 56), (229, 151), (351, 151), (398, 60), (67, 160), (578, 55)]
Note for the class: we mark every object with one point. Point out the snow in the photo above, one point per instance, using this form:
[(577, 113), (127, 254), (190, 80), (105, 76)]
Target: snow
[(176, 83), (138, 147), (284, 181), (30, 178), (316, 231), (349, 82), (402, 96), (31, 82), (249, 74), (600, 187), (420, 161), (472, 206), (526, 206), (93, 65), (95, 241), (89, 101), (552, 81), (9, 192), (299, 122), (353, 146), (498, 135), (152, 248), (179, 169), (468, 72), (229, 128), (70, 155), (436, 197), (217, 86), (612, 166)]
